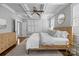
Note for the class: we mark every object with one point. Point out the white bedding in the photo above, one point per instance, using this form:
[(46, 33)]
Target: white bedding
[(46, 39), (36, 40), (33, 41)]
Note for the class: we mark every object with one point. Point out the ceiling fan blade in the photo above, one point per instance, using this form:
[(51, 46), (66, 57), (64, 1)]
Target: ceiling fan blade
[(40, 11), (38, 14)]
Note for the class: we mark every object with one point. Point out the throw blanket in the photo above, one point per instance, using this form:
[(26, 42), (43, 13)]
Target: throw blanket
[(33, 41)]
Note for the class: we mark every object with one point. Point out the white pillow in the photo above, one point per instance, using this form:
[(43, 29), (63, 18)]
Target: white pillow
[(62, 34), (57, 34), (51, 32)]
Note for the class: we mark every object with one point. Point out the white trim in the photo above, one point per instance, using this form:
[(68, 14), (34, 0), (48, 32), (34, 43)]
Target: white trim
[(26, 8), (8, 7)]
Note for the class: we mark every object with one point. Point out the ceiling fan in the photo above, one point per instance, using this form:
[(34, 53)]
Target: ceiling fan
[(34, 9), (29, 12), (38, 12)]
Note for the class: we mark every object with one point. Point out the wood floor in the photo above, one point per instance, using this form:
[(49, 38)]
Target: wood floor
[(22, 38)]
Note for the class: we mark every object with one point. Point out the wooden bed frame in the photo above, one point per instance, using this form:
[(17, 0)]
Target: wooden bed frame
[(58, 47)]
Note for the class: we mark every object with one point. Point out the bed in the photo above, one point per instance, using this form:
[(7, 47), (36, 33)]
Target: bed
[(44, 41)]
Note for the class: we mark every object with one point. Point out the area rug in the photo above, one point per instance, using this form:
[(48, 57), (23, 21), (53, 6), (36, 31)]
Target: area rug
[(20, 50)]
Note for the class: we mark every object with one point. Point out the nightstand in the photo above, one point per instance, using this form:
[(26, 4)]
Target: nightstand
[(20, 39)]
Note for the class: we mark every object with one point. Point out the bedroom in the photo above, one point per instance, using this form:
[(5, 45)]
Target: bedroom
[(21, 23)]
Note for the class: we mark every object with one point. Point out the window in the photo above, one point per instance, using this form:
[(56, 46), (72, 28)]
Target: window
[(3, 23)]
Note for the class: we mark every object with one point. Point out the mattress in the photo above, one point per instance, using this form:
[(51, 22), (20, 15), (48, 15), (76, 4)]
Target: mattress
[(46, 39)]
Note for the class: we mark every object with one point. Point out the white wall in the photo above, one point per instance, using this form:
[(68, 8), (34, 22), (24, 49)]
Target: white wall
[(76, 28), (5, 14), (68, 20), (76, 19)]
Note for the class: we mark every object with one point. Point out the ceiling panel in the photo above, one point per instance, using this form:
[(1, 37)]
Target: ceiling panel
[(49, 8), (31, 5)]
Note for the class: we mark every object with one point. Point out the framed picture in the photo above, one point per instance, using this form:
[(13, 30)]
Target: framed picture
[(3, 23)]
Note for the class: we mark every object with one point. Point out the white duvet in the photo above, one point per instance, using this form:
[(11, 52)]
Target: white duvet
[(33, 41), (49, 40), (36, 40)]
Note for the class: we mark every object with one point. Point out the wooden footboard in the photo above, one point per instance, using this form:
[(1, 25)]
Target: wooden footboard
[(46, 47), (53, 47), (70, 36)]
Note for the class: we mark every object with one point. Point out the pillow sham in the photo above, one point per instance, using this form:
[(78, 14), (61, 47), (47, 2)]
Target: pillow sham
[(62, 34), (52, 33), (58, 33)]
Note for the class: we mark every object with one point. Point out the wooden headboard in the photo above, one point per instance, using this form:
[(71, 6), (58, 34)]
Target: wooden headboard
[(70, 36)]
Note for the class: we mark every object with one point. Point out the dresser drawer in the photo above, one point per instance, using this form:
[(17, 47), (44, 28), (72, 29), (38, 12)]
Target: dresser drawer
[(7, 40), (3, 42), (3, 47)]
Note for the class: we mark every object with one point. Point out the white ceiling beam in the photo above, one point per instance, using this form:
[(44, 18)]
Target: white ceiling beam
[(26, 9), (15, 14), (44, 8), (61, 8), (9, 8)]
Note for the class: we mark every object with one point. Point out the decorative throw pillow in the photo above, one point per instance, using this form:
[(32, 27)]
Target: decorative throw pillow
[(57, 34), (62, 34), (50, 32)]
